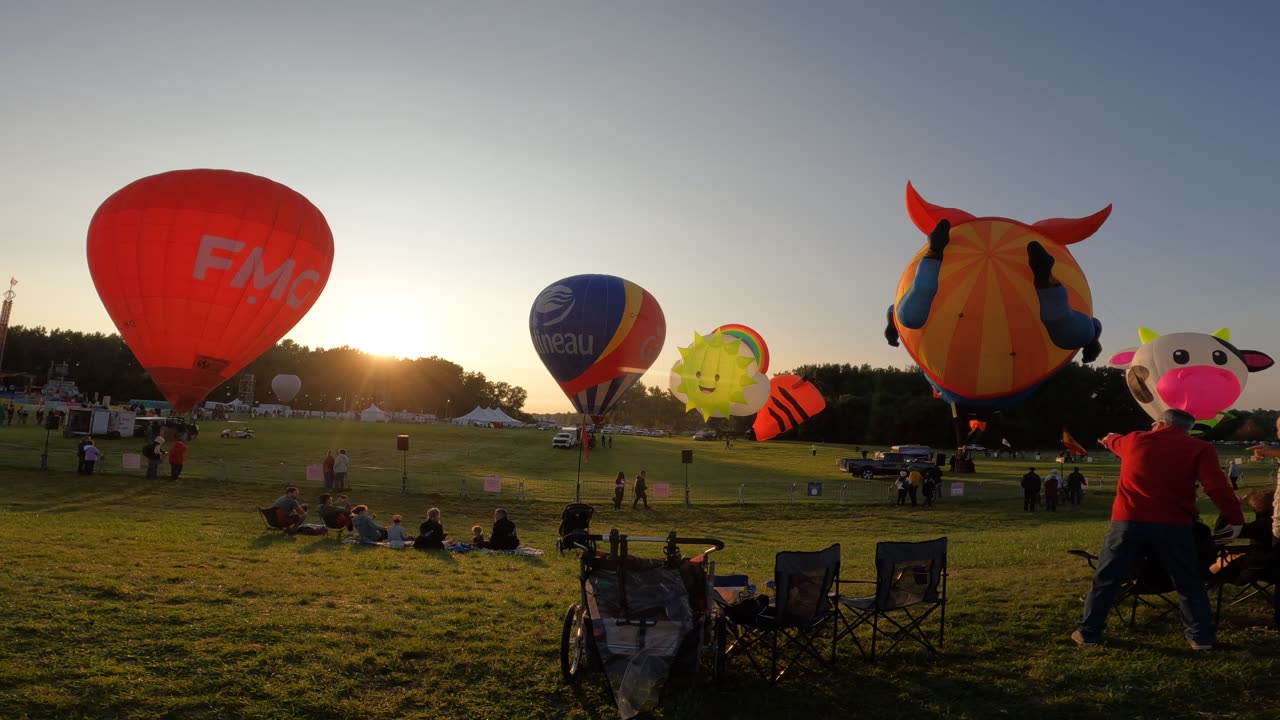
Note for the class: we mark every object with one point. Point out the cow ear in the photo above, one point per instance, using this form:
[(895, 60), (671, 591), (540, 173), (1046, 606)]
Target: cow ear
[(1122, 358), (1256, 361)]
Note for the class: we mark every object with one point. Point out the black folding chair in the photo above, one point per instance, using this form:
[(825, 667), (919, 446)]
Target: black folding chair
[(1249, 569), (785, 631), (1149, 585), (910, 586), (271, 516)]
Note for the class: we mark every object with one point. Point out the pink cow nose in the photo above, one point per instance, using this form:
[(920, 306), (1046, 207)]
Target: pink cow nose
[(1202, 390)]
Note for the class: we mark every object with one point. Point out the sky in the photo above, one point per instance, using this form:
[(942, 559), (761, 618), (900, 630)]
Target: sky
[(742, 161)]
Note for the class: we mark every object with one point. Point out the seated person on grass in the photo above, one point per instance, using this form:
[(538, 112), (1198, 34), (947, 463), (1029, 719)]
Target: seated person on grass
[(431, 533), (366, 528), (396, 534), (503, 535), (292, 512), (477, 537), (335, 513), (1257, 533)]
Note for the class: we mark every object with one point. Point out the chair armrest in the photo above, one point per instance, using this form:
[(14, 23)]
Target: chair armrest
[(1084, 554), (855, 582)]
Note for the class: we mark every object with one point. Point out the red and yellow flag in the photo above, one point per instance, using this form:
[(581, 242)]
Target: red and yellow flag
[(1071, 445)]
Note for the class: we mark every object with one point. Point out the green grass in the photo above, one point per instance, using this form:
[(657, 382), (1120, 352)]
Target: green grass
[(128, 598)]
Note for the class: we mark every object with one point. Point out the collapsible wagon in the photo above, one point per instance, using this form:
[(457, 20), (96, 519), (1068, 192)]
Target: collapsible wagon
[(642, 619)]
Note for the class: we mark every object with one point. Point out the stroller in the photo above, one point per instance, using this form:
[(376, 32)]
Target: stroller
[(639, 619), (575, 518)]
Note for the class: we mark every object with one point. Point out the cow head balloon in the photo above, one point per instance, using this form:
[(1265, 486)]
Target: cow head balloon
[(203, 270), (991, 307), (1201, 374)]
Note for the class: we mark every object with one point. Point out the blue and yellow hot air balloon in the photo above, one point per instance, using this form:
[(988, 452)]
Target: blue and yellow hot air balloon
[(597, 334)]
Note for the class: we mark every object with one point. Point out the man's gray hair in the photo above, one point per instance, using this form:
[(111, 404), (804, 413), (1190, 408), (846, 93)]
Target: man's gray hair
[(1178, 418)]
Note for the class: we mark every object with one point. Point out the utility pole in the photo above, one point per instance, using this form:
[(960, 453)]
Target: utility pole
[(9, 295)]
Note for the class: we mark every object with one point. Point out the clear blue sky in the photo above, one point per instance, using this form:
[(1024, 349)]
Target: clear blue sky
[(744, 162)]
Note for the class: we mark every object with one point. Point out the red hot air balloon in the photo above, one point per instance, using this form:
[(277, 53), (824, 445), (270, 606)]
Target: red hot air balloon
[(203, 270)]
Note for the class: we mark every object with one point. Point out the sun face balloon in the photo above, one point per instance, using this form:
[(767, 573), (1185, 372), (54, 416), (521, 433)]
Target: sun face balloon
[(286, 387), (203, 270), (991, 307), (1201, 374), (717, 375), (597, 335)]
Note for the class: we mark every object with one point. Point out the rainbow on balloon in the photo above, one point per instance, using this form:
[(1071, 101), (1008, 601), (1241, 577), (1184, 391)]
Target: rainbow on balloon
[(751, 339)]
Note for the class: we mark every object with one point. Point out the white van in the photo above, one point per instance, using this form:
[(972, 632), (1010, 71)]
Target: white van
[(565, 439)]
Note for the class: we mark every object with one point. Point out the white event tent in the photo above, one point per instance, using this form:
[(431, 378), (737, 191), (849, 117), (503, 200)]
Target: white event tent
[(492, 417), (373, 414)]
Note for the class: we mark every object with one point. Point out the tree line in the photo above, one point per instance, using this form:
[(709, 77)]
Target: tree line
[(865, 405), (334, 379)]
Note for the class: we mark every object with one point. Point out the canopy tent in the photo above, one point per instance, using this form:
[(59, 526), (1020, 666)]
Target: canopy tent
[(493, 417), (373, 414)]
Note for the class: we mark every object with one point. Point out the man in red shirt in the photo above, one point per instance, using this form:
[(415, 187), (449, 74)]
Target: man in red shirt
[(177, 456), (1152, 514)]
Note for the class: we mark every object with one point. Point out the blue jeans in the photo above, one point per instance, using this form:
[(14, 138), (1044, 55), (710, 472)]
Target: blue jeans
[(1175, 547)]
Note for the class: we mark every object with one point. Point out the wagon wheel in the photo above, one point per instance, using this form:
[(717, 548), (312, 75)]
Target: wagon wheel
[(573, 642)]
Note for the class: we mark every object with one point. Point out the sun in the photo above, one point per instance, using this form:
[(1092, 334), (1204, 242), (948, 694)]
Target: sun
[(713, 375)]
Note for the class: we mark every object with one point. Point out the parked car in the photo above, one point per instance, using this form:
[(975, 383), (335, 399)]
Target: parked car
[(564, 439), (889, 463)]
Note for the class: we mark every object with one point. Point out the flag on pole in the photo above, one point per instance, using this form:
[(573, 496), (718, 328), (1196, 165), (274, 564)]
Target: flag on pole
[(1070, 444), (586, 446)]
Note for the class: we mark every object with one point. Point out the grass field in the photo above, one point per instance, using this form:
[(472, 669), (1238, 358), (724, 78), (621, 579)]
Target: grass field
[(133, 598)]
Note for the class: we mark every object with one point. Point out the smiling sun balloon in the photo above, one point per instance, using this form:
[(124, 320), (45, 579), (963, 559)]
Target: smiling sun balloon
[(718, 375)]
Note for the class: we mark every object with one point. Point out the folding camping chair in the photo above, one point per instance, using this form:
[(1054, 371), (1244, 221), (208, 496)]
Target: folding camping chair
[(1249, 570), (1148, 585), (272, 517), (337, 521), (910, 585), (785, 631)]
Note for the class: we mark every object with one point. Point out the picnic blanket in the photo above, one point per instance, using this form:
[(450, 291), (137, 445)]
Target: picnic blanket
[(456, 547)]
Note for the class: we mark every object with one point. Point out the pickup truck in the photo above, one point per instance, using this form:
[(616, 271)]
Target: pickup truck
[(889, 464)]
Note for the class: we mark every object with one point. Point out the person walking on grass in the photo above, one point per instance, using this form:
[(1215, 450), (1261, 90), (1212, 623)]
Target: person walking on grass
[(1051, 491), (1030, 490), (1153, 513), (619, 490), (91, 455), (641, 490), (153, 452), (327, 468), (1075, 484), (341, 464), (177, 457), (1236, 474)]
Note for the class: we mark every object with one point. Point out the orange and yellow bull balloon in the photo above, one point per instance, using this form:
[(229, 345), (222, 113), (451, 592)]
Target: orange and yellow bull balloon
[(991, 307)]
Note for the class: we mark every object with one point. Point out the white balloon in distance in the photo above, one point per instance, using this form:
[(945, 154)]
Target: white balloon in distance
[(286, 387), (719, 376)]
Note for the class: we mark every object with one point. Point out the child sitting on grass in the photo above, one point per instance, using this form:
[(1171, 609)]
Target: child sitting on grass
[(477, 536), (395, 533)]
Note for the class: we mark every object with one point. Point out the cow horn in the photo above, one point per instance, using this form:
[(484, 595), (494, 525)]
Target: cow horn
[(1146, 335), (925, 215), (1065, 231), (1223, 334)]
